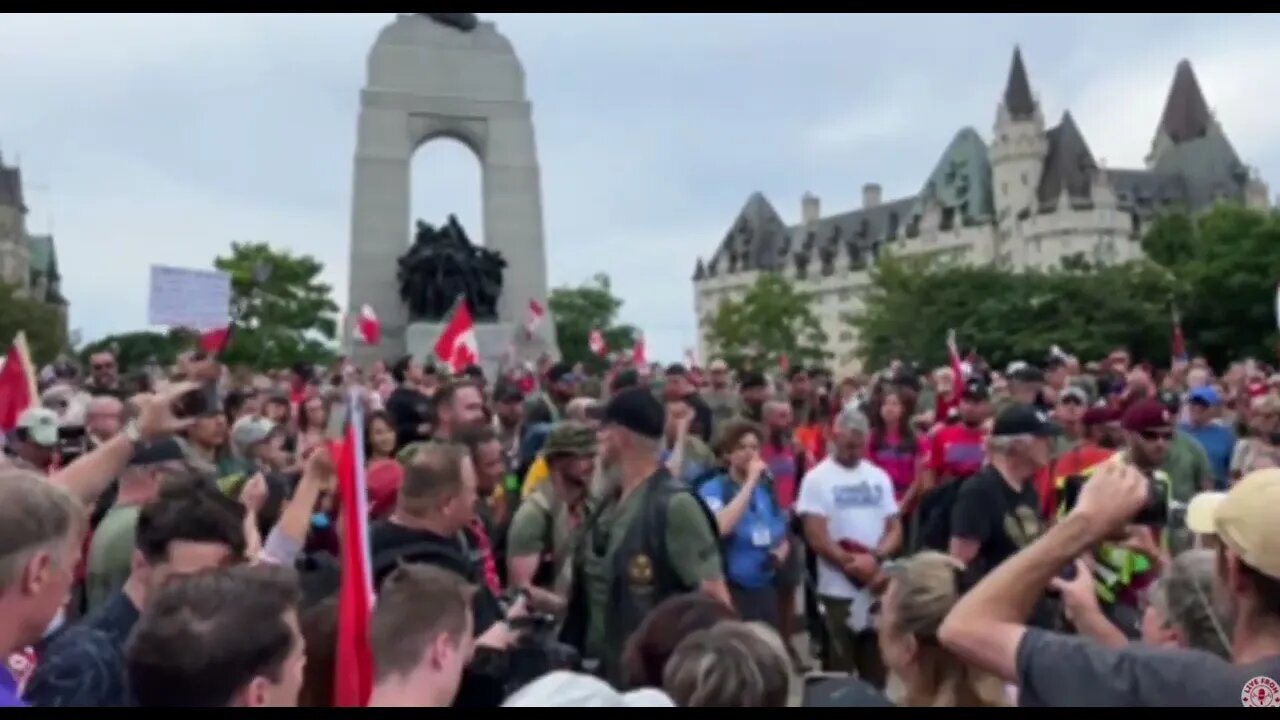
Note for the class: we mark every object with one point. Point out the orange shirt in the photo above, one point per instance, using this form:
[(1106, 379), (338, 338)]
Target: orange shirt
[(1072, 462)]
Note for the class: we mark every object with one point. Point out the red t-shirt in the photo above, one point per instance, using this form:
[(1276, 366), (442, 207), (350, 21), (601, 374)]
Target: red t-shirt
[(957, 451), (782, 468)]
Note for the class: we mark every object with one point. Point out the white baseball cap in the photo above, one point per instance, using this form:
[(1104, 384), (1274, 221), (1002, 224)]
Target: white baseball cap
[(41, 425)]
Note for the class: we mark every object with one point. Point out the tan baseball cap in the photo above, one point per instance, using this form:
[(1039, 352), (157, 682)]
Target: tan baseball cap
[(1246, 519)]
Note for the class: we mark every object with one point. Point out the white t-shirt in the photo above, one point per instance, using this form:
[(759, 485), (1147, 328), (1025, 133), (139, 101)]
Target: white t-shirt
[(856, 503)]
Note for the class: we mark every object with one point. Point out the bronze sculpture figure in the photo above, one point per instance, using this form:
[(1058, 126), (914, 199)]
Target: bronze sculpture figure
[(443, 266)]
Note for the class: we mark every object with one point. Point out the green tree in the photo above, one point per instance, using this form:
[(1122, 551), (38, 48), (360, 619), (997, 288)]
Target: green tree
[(45, 325), (136, 349), (772, 320), (910, 304), (1226, 263), (579, 310), (287, 318)]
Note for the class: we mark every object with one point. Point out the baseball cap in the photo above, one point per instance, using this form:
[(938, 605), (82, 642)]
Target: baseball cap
[(752, 379), (41, 425), (718, 365), (637, 410), (1023, 372), (676, 369), (570, 438), (1101, 415), (249, 431), (1146, 414), (1076, 393), (562, 688), (560, 372), (1022, 419), (975, 390), (1205, 395), (1243, 518)]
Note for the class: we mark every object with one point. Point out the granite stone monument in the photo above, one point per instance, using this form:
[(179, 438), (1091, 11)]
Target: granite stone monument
[(434, 75)]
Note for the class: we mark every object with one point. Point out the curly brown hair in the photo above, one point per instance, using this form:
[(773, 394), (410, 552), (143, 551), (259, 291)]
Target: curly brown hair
[(732, 433)]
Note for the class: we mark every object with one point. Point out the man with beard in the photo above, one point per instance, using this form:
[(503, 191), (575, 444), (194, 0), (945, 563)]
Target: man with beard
[(651, 539), (1125, 570), (458, 404), (546, 528), (548, 406), (754, 390), (718, 394)]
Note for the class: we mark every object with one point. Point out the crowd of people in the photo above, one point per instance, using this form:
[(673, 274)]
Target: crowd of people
[(1056, 533)]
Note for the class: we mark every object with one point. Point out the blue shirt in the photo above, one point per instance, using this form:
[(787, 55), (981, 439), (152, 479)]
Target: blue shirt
[(762, 528), (83, 666), (1218, 442)]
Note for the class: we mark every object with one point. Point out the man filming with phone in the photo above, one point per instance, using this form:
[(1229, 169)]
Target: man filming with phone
[(987, 627), (1124, 570)]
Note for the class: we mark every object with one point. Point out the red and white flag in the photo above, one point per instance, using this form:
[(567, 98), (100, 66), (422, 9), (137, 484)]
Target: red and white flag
[(457, 346), (537, 314), (17, 383), (638, 357), (367, 326), (353, 669), (596, 343)]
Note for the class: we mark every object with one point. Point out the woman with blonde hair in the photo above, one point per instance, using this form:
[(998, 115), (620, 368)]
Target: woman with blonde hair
[(922, 590)]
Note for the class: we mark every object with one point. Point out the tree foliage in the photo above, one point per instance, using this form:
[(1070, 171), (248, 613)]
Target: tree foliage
[(289, 318), (579, 310), (770, 321), (1227, 263), (135, 350), (1087, 310), (45, 325)]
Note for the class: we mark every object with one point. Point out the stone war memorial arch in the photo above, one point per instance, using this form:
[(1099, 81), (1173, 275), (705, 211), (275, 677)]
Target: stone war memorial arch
[(447, 75)]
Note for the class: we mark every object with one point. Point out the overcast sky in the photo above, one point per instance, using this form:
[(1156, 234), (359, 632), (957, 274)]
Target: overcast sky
[(160, 139)]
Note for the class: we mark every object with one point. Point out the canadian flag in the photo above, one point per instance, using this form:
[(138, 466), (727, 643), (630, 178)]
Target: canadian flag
[(353, 676), (17, 384), (637, 353), (597, 344), (457, 346), (537, 314), (368, 327), (214, 341)]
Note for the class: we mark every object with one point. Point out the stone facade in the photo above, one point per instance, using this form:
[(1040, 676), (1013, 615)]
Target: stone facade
[(427, 80), (27, 262), (1030, 198)]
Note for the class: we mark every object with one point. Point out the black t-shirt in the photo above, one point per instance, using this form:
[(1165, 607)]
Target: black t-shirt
[(1001, 519), (385, 535)]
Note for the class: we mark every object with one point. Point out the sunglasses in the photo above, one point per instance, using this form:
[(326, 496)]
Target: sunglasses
[(1154, 435)]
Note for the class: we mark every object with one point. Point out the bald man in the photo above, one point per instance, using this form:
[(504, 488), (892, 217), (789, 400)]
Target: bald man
[(103, 418)]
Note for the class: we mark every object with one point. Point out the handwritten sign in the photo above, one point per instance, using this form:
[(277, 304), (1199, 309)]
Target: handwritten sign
[(190, 298)]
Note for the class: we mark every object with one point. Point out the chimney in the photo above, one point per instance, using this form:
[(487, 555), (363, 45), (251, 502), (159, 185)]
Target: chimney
[(870, 195), (810, 209)]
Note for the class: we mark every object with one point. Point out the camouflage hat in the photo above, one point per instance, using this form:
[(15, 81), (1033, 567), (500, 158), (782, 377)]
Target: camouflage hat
[(569, 437)]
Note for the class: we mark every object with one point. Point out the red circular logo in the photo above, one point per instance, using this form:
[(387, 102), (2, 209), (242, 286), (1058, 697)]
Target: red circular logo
[(1261, 691)]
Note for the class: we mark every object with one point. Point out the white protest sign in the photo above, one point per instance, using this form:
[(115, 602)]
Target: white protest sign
[(190, 298)]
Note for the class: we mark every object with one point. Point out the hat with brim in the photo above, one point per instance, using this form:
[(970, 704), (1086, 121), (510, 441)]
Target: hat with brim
[(1243, 519)]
